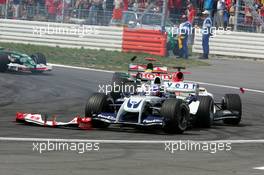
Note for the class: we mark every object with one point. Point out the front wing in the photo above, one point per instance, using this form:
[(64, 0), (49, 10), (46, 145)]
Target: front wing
[(38, 119), (150, 120), (23, 68)]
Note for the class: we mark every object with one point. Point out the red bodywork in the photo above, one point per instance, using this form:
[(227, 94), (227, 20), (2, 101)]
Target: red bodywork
[(37, 119), (142, 71)]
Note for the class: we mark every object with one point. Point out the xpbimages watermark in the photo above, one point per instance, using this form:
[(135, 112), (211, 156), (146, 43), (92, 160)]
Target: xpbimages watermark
[(146, 89), (211, 147), (77, 30), (79, 147), (213, 31)]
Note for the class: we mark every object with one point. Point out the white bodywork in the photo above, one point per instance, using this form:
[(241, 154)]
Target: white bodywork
[(182, 90), (18, 67), (185, 89), (136, 104)]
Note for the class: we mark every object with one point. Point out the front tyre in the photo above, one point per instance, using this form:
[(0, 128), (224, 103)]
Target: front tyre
[(232, 102), (176, 115), (96, 104), (205, 113), (39, 58)]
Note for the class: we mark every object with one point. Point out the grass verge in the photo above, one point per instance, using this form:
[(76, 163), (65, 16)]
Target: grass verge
[(98, 59)]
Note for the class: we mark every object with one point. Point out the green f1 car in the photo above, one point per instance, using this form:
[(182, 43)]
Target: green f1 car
[(16, 61)]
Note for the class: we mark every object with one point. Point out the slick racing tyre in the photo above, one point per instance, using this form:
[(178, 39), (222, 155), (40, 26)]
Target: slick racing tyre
[(232, 102), (176, 115), (4, 61), (96, 104), (205, 113), (39, 58)]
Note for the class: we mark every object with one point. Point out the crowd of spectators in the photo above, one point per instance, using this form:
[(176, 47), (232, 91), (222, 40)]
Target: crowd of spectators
[(102, 12)]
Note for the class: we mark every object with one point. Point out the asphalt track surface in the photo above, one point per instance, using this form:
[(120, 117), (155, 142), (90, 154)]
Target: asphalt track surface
[(64, 92)]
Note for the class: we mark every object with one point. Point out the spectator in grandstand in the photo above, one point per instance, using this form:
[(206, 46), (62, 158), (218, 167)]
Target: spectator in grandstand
[(29, 7), (117, 12), (39, 7), (214, 12), (261, 13), (206, 33), (68, 5), (100, 12), (185, 29), (195, 3), (61, 6), (208, 6), (125, 7), (2, 8), (228, 4), (248, 15), (220, 13), (226, 18), (108, 9), (51, 9), (95, 17), (16, 5), (178, 7), (175, 9), (191, 13), (232, 16)]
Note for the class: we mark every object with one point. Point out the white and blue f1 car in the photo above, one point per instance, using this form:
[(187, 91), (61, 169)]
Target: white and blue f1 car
[(173, 106)]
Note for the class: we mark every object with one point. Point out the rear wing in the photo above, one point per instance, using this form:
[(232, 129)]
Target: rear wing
[(143, 68)]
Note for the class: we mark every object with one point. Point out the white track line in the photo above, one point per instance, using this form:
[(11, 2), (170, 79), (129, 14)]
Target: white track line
[(204, 83), (230, 87), (259, 168), (81, 68), (18, 139)]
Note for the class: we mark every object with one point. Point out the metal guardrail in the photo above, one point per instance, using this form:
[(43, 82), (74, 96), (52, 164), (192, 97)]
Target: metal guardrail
[(61, 34), (240, 44)]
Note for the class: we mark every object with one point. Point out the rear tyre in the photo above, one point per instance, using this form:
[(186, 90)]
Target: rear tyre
[(4, 61), (176, 115), (205, 113), (96, 104), (39, 58), (232, 102)]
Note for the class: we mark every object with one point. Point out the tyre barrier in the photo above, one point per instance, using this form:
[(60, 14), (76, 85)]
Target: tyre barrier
[(145, 41)]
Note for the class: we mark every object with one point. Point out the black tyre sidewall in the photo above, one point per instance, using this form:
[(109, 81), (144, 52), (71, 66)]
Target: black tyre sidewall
[(174, 121), (97, 103), (39, 58), (204, 115), (232, 102), (4, 61)]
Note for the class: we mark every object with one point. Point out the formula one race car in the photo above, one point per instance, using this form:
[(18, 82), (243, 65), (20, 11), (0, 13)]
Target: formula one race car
[(171, 105), (143, 72), (16, 61)]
